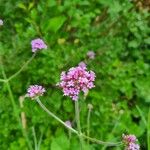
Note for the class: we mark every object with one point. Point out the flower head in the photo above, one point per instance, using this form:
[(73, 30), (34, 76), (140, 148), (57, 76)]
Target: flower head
[(1, 22), (130, 142), (38, 44), (90, 54), (129, 138), (90, 107), (133, 146), (75, 80), (35, 91)]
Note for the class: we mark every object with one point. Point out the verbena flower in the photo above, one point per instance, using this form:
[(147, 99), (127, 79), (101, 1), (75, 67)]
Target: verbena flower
[(75, 80), (68, 123), (130, 142), (1, 22), (132, 146), (38, 44), (90, 54), (129, 138), (35, 91)]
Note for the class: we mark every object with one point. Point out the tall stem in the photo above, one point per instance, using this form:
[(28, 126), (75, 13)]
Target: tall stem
[(54, 116), (14, 106), (88, 123), (148, 130), (77, 116), (22, 68), (19, 71), (35, 139), (73, 130), (10, 94)]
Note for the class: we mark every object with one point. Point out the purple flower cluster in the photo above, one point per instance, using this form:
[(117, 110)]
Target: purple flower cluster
[(35, 91), (130, 142), (90, 54), (38, 44), (132, 146), (1, 22), (75, 80)]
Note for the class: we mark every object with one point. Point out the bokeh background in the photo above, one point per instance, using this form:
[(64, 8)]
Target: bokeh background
[(117, 31)]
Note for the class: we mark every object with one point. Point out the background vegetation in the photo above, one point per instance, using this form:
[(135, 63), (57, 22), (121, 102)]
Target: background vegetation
[(117, 31)]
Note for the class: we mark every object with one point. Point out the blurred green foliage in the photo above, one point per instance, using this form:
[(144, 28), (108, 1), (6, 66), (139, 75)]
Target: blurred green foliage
[(117, 31)]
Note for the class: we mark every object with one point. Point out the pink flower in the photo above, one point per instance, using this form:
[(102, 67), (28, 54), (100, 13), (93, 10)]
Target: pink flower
[(129, 138), (90, 54), (130, 142), (132, 146), (75, 80), (1, 22), (38, 44), (68, 123), (35, 91)]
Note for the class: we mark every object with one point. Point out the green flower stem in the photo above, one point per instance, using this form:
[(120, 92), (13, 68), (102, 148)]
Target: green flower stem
[(22, 68), (148, 130), (73, 130), (2, 80), (101, 142), (35, 139), (15, 106), (77, 117), (113, 129), (88, 123), (19, 71), (54, 116), (10, 93)]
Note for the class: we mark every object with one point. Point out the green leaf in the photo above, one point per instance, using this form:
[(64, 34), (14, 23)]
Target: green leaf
[(31, 5), (22, 6), (133, 44), (143, 89), (60, 143), (54, 24)]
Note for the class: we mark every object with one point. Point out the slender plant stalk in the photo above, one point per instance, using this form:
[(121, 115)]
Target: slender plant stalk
[(22, 68), (19, 71), (10, 94), (2, 80), (148, 130), (73, 130), (15, 106), (40, 141), (77, 116), (88, 123), (113, 129), (35, 139), (94, 140), (54, 116)]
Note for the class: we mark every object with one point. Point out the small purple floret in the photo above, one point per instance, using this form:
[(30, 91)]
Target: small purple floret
[(133, 146), (91, 54), (82, 64), (129, 138), (35, 91), (130, 142), (38, 44), (68, 123)]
